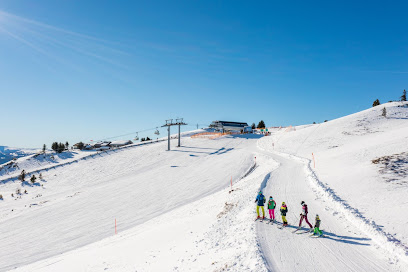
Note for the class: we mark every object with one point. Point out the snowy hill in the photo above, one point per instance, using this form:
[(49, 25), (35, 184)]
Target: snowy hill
[(175, 211), (77, 203), (8, 153), (346, 151)]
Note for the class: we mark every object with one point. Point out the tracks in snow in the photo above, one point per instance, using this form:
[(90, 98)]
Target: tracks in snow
[(345, 247)]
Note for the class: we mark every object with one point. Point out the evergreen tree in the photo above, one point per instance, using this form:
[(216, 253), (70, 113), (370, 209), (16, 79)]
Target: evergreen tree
[(384, 112), (376, 103), (404, 96), (81, 145), (253, 126), (54, 146), (33, 179), (148, 139), (66, 145), (61, 147), (44, 148), (261, 124), (22, 176)]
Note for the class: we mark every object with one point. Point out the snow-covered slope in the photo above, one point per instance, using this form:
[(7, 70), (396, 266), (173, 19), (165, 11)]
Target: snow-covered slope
[(8, 153), (361, 165), (175, 212), (78, 203)]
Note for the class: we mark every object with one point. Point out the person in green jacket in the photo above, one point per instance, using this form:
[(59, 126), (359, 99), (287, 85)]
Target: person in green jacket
[(284, 211), (317, 226), (271, 208)]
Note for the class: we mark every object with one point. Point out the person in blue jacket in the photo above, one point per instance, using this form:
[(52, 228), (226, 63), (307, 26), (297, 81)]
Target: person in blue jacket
[(261, 201)]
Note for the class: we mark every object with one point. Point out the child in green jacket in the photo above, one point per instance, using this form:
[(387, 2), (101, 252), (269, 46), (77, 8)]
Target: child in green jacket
[(271, 208), (317, 226)]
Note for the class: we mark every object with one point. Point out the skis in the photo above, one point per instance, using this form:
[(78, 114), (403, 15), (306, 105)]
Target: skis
[(296, 230), (316, 236), (303, 232)]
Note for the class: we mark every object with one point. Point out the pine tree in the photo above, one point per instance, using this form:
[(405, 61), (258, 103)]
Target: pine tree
[(44, 148), (66, 145), (22, 176), (61, 147), (33, 179), (384, 112), (404, 96), (261, 124), (376, 103), (81, 145), (253, 126), (54, 146)]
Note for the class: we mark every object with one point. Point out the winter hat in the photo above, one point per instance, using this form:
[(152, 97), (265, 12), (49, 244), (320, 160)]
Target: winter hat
[(302, 202), (260, 192), (283, 203)]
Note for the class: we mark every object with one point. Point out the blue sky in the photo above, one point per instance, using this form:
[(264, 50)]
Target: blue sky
[(82, 70)]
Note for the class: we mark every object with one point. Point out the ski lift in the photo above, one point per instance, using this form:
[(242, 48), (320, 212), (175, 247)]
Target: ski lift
[(137, 137), (157, 131)]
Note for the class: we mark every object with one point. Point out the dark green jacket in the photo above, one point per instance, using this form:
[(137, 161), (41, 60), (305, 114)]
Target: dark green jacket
[(271, 204), (284, 210), (317, 224)]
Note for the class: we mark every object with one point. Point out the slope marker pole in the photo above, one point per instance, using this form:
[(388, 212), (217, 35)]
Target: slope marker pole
[(314, 163)]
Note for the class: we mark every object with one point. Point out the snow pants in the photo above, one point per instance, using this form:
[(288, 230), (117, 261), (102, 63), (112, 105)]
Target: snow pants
[(263, 210), (317, 230), (272, 214), (307, 221), (284, 219)]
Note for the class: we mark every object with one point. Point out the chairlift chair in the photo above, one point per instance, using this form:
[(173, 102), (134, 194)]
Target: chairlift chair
[(137, 137), (157, 131)]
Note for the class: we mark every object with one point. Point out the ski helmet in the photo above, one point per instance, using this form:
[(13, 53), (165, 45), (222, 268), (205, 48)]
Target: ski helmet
[(283, 203), (302, 202), (271, 197)]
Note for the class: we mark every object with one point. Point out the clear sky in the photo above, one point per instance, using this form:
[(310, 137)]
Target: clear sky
[(82, 70)]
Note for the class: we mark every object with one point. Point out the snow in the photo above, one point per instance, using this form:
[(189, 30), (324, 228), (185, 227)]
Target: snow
[(8, 153), (175, 210), (79, 202)]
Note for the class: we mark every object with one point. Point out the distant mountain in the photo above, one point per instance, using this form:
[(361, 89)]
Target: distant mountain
[(8, 153)]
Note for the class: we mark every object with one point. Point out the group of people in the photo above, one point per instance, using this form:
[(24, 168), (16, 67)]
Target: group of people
[(260, 199)]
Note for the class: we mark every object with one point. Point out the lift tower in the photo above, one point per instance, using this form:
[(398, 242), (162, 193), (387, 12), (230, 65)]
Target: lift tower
[(179, 122)]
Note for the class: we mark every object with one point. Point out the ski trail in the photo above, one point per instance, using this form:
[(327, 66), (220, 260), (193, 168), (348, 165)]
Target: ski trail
[(344, 247)]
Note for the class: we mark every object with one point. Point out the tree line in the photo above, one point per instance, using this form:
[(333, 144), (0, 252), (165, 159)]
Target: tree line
[(261, 124), (402, 98)]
